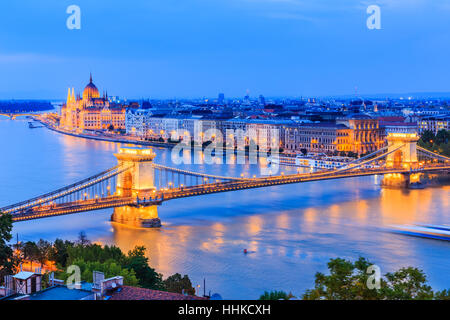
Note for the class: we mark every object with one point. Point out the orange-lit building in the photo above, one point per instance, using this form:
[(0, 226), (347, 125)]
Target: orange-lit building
[(90, 111), (365, 134), (317, 138), (359, 134)]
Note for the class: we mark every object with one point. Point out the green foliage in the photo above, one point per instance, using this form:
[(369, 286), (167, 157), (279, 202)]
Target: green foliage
[(276, 295), (407, 284), (439, 143), (110, 260), (7, 261), (59, 252), (442, 295), (176, 283), (43, 251), (148, 277), (94, 252), (348, 281), (427, 136), (109, 267), (30, 251)]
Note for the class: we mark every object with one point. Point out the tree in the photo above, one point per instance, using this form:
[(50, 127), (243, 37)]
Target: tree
[(276, 295), (30, 252), (427, 136), (43, 252), (442, 295), (147, 276), (94, 252), (7, 261), (439, 143), (407, 284), (110, 268), (348, 281), (178, 284), (442, 137), (82, 239), (59, 252)]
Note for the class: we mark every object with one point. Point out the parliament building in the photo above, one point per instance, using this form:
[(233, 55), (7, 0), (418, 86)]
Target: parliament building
[(90, 111)]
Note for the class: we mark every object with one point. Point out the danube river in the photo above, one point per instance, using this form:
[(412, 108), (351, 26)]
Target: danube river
[(290, 231)]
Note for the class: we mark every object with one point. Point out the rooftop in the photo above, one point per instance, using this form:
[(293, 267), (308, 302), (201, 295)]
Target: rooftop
[(58, 292), (135, 293), (23, 275)]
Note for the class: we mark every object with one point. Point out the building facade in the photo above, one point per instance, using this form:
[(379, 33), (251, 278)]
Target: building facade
[(434, 123), (90, 111), (365, 133), (317, 138)]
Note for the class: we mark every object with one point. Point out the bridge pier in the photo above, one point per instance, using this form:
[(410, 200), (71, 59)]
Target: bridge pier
[(136, 182), (402, 180), (137, 216)]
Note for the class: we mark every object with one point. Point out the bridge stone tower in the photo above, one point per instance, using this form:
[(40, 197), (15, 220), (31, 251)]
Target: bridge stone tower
[(137, 181), (406, 155)]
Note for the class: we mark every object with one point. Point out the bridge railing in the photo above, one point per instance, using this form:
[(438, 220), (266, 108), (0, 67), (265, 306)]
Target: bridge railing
[(65, 191)]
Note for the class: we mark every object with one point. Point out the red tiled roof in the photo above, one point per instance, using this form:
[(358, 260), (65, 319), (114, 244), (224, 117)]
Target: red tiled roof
[(135, 293)]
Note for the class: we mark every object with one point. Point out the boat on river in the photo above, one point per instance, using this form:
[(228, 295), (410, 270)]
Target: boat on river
[(313, 162), (440, 232)]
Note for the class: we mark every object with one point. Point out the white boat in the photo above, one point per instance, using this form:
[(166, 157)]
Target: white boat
[(319, 162), (425, 231)]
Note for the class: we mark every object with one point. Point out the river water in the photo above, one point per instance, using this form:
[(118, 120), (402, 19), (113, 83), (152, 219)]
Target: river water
[(290, 231)]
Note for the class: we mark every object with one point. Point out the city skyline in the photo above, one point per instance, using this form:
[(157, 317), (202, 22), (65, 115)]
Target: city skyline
[(153, 50)]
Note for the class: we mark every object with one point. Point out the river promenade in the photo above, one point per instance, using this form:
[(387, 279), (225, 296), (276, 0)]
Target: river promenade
[(123, 139), (106, 137)]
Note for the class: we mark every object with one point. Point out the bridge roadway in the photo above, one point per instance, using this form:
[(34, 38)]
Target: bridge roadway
[(176, 193), (13, 116)]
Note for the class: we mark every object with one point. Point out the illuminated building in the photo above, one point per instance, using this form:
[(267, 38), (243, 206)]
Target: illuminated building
[(434, 123), (317, 138), (365, 134), (90, 111)]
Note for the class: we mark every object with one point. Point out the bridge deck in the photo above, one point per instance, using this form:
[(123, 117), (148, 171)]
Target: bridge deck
[(176, 193)]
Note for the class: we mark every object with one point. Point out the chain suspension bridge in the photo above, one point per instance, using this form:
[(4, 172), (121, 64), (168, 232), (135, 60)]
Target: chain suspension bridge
[(137, 185)]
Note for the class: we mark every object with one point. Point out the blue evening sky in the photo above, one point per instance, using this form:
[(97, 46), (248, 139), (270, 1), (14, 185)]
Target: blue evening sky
[(196, 48)]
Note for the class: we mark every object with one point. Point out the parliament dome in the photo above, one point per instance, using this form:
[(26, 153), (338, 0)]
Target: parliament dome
[(90, 91)]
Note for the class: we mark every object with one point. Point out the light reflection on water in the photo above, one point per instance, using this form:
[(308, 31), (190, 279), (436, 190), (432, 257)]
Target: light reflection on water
[(290, 231)]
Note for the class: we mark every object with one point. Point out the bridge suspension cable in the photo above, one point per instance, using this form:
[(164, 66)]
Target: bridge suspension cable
[(358, 165), (432, 154), (363, 158), (191, 173), (66, 191)]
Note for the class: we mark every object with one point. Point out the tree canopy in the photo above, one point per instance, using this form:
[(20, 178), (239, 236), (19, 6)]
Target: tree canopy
[(7, 261)]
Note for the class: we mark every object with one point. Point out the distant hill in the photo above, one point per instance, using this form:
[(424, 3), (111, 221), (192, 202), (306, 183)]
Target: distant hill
[(413, 95), (17, 106)]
